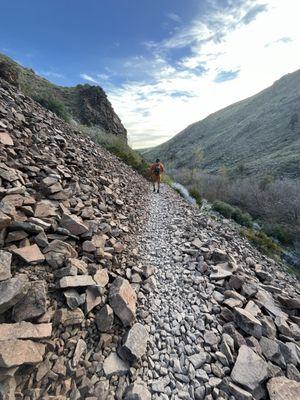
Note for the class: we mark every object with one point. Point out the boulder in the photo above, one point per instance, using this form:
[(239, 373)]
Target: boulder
[(30, 254), (5, 262), (105, 318), (281, 388), (74, 224), (33, 303), (25, 330), (17, 352), (134, 343), (122, 299), (247, 322), (12, 291), (249, 370), (137, 391), (114, 365)]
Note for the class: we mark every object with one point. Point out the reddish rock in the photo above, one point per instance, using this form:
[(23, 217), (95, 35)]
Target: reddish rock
[(45, 209), (88, 247), (93, 298), (18, 352), (25, 330), (122, 299), (101, 277), (30, 254), (68, 317), (80, 265), (73, 224), (6, 139)]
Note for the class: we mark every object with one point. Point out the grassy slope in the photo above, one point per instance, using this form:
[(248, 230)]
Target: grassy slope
[(252, 137)]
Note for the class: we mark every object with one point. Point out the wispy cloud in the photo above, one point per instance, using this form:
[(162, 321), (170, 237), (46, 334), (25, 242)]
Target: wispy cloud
[(174, 17), (88, 78), (177, 81)]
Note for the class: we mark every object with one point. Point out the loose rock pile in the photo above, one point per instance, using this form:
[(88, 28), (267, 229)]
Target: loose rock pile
[(68, 211), (223, 319)]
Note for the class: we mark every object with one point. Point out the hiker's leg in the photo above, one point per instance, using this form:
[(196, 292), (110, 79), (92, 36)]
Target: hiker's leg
[(158, 184)]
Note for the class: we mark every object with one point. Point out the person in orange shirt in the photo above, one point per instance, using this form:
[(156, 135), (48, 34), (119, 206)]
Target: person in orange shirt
[(156, 171)]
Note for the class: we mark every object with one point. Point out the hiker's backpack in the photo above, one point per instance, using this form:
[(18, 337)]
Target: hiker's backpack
[(157, 170)]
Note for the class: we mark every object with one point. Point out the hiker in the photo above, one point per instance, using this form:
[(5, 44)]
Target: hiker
[(156, 170)]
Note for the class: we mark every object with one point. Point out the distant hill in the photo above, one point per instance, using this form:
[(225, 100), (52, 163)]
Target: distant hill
[(256, 136), (85, 104)]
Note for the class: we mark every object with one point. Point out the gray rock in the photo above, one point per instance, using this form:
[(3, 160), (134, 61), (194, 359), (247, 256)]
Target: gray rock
[(73, 298), (135, 343), (249, 370), (105, 318), (247, 322), (114, 365), (137, 391), (33, 304), (198, 359), (12, 291)]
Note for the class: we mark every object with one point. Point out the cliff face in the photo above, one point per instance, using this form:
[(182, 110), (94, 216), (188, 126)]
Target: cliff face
[(85, 104)]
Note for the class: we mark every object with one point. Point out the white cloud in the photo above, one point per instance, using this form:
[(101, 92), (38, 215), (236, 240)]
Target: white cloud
[(174, 17), (88, 78), (260, 39)]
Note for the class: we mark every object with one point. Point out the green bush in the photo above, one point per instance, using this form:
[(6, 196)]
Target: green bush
[(223, 208), (242, 218), (262, 242), (279, 232), (51, 103), (194, 192), (235, 213)]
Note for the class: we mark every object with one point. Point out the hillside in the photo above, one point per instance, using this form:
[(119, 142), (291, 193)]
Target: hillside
[(256, 136), (85, 104), (111, 292)]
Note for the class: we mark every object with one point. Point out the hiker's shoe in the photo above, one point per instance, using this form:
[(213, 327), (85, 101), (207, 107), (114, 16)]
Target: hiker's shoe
[(157, 190), (154, 190)]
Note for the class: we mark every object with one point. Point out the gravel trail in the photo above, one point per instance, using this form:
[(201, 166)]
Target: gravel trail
[(175, 309)]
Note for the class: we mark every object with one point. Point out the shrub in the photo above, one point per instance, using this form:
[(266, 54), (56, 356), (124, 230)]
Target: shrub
[(194, 192), (279, 232), (242, 218), (51, 103), (262, 242), (223, 208)]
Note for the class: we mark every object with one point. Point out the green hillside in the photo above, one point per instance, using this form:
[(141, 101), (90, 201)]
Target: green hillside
[(256, 136)]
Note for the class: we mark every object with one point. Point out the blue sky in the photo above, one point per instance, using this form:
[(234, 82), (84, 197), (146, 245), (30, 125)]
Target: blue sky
[(164, 63)]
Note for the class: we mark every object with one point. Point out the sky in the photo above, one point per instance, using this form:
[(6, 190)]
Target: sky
[(164, 64)]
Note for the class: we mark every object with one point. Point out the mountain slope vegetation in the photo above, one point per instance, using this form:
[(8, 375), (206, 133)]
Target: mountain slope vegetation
[(254, 137)]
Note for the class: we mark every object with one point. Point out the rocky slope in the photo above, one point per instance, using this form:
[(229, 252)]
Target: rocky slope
[(252, 137), (86, 104), (108, 291), (67, 215)]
